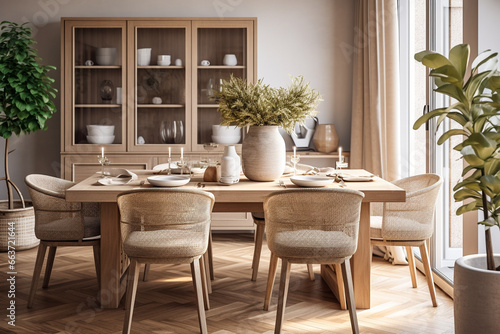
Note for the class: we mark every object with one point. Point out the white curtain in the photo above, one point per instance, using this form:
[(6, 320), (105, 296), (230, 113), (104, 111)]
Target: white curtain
[(375, 105)]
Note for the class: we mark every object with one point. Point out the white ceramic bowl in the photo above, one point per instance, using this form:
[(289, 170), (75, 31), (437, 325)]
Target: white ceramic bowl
[(100, 130), (169, 180), (100, 139), (105, 56), (223, 130), (226, 140)]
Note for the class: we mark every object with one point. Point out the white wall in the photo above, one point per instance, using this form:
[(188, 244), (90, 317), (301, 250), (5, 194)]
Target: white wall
[(295, 37), (488, 11)]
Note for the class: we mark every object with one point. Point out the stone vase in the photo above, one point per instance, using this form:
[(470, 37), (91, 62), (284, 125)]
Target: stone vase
[(263, 153), (325, 138), (476, 294)]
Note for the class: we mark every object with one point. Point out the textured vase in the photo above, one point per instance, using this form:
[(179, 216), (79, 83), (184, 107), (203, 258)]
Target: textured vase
[(325, 138), (263, 153), (476, 295)]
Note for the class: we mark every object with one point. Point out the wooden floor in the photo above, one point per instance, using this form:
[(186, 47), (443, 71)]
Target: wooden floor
[(166, 303)]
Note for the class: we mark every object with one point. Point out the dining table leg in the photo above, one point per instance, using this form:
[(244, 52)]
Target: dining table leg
[(112, 261), (360, 264)]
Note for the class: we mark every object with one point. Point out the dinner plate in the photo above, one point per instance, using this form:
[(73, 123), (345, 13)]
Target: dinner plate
[(356, 178), (311, 180), (169, 180), (114, 181)]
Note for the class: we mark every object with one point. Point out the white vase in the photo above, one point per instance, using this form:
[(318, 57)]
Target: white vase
[(476, 295), (263, 153), (230, 165)]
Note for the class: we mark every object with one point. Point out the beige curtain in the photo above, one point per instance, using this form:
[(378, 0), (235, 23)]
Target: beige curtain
[(375, 105)]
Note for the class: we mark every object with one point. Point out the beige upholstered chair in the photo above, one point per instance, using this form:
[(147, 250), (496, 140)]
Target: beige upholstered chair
[(312, 226), (410, 223), (165, 226), (260, 225), (60, 223)]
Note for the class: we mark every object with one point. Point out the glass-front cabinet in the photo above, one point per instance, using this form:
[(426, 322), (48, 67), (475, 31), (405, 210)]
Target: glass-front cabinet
[(137, 86), (94, 73), (220, 49)]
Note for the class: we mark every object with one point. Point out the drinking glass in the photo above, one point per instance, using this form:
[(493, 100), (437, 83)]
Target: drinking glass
[(172, 132), (295, 160)]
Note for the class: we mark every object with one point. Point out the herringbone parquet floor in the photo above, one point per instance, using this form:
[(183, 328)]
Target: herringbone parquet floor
[(166, 304)]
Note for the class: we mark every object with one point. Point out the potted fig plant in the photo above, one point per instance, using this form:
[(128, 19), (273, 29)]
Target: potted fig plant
[(475, 107), (265, 109), (25, 105)]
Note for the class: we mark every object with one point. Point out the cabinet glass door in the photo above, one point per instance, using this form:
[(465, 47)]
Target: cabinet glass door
[(159, 59), (97, 63), (221, 49)]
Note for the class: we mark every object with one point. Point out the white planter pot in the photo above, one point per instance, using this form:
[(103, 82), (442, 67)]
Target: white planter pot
[(476, 295), (263, 153)]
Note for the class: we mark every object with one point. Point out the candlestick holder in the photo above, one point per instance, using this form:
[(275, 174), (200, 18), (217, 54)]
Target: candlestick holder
[(295, 160), (182, 164), (169, 170), (103, 161), (341, 164)]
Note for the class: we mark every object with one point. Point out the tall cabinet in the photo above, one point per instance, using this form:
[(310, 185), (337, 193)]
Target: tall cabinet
[(112, 75)]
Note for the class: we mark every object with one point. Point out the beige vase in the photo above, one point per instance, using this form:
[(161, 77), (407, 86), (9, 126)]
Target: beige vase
[(263, 153), (325, 138)]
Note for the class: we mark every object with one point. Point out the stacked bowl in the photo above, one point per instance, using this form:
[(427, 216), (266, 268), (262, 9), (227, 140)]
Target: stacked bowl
[(226, 135), (100, 134), (105, 56)]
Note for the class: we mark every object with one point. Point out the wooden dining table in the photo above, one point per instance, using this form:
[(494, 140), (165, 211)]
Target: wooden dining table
[(244, 196)]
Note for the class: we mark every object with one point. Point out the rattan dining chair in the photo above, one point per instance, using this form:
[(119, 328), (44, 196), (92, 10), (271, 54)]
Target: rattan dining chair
[(60, 223), (260, 225), (312, 226), (411, 223), (168, 226)]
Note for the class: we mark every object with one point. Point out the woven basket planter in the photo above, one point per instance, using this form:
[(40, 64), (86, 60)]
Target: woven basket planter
[(23, 220)]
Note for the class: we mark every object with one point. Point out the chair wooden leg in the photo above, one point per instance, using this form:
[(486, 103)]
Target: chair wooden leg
[(145, 276), (310, 270), (36, 272), (205, 282), (340, 285), (273, 264), (428, 272), (195, 272), (351, 304), (206, 264), (411, 264), (283, 294), (259, 237), (210, 257), (133, 278), (48, 267), (97, 263)]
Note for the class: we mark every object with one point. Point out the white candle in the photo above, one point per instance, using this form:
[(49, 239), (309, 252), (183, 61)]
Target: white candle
[(294, 150), (340, 155), (102, 152), (169, 152), (182, 153)]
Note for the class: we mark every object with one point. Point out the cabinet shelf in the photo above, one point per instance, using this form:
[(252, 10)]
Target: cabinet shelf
[(160, 106), (160, 67), (221, 67), (208, 105), (98, 67), (97, 105)]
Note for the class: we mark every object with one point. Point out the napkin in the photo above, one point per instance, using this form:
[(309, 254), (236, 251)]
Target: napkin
[(118, 176), (308, 169)]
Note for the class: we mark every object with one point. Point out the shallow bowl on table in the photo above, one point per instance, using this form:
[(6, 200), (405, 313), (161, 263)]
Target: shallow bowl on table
[(169, 180), (311, 180)]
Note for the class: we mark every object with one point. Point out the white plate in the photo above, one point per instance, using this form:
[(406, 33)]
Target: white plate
[(169, 180), (311, 180), (356, 178), (114, 181)]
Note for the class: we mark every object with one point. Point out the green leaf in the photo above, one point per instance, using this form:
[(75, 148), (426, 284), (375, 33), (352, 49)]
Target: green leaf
[(449, 133), (464, 194), (452, 91), (459, 57), (424, 118), (472, 206), (432, 59)]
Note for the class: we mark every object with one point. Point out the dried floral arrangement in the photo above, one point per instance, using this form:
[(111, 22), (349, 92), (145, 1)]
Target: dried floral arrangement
[(242, 103)]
